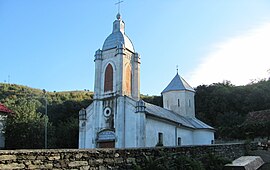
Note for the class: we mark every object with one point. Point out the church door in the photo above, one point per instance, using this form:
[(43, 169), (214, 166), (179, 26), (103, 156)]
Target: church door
[(106, 139), (109, 144)]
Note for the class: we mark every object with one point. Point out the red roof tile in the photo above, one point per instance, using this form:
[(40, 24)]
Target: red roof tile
[(4, 109)]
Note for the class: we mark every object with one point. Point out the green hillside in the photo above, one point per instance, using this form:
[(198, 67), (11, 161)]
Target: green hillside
[(26, 128), (226, 107)]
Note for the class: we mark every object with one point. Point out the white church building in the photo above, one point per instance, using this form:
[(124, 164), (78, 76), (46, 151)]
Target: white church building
[(118, 118)]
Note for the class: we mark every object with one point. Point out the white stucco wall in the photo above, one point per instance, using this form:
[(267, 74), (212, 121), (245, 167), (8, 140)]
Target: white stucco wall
[(186, 136), (170, 101), (153, 127), (203, 137), (86, 132), (171, 134), (130, 123)]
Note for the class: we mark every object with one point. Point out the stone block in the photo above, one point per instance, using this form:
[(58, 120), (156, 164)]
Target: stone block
[(12, 166), (79, 155), (27, 163), (108, 160), (37, 162), (64, 163), (99, 161), (131, 160), (54, 157), (33, 166), (31, 157), (84, 167), (57, 165), (7, 157), (102, 168), (118, 160), (40, 158), (77, 164), (46, 166), (245, 163)]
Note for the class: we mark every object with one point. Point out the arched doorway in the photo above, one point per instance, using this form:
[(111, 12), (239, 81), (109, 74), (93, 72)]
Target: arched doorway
[(106, 139)]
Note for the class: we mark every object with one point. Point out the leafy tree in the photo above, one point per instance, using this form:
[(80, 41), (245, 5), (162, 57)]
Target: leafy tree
[(28, 120), (68, 132), (156, 100), (25, 129)]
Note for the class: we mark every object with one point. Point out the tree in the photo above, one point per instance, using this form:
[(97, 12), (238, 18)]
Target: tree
[(68, 133), (25, 129)]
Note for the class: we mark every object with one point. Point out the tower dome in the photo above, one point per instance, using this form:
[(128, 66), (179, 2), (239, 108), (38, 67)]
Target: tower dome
[(118, 36)]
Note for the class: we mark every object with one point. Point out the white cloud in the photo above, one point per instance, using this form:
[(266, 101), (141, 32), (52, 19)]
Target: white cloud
[(239, 59)]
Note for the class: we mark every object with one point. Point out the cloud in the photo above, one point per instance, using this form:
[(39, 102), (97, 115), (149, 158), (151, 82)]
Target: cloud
[(239, 59)]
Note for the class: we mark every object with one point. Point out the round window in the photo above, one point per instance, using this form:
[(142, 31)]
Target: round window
[(107, 112)]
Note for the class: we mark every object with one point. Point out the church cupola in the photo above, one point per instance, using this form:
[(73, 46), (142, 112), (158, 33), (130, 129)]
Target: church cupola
[(178, 96), (118, 36)]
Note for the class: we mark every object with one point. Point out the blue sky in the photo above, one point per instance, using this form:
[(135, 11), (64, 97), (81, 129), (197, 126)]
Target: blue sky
[(50, 44)]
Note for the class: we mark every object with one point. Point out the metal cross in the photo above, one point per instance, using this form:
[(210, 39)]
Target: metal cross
[(118, 3), (177, 69)]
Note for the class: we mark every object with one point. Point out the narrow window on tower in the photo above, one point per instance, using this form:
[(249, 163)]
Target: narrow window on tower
[(108, 81), (178, 102), (189, 104)]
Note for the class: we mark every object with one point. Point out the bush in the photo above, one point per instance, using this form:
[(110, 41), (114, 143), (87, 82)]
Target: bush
[(170, 162), (214, 162)]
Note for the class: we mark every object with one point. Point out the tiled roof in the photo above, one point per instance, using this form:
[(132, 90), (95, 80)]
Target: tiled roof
[(4, 109), (178, 83), (163, 113)]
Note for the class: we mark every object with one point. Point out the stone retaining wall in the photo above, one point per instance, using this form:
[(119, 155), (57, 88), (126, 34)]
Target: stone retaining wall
[(106, 158)]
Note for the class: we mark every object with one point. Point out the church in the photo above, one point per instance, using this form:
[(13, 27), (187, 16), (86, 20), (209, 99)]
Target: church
[(118, 118)]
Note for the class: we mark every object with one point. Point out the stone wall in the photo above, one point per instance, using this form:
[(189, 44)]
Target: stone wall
[(105, 158)]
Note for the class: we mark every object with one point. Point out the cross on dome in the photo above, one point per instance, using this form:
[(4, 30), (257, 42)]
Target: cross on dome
[(118, 16)]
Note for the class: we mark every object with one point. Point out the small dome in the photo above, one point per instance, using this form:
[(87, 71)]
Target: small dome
[(115, 38)]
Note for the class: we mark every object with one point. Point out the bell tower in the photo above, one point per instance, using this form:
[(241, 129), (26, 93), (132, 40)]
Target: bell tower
[(117, 65), (117, 76)]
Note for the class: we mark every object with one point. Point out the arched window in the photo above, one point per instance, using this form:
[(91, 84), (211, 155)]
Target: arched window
[(108, 83), (128, 80)]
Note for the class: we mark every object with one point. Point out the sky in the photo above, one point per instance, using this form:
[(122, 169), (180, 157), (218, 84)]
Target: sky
[(50, 44)]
